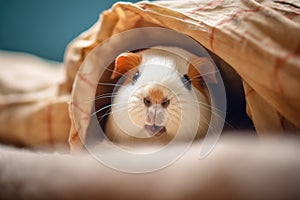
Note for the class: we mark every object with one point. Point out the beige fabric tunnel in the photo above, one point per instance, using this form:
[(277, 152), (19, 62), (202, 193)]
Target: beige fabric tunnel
[(259, 40)]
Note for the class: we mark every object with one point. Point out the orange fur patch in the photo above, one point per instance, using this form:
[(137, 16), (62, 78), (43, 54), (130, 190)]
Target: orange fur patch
[(125, 62), (205, 67), (156, 95), (197, 80), (195, 77)]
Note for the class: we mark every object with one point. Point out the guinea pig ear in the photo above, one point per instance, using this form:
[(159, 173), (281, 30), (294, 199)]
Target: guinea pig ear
[(201, 66), (125, 62)]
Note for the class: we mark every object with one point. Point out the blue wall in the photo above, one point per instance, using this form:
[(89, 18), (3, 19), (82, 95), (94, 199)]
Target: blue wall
[(45, 27)]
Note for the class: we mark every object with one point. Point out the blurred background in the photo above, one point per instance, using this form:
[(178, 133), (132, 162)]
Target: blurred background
[(44, 27)]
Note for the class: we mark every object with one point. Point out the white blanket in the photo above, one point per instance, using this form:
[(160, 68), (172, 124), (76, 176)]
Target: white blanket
[(238, 168)]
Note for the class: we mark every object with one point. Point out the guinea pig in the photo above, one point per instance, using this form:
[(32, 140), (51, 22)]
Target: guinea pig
[(161, 95)]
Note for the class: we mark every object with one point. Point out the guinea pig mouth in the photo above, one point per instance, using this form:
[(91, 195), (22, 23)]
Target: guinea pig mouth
[(155, 130)]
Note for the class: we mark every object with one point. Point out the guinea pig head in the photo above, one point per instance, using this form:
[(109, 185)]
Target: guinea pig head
[(159, 94)]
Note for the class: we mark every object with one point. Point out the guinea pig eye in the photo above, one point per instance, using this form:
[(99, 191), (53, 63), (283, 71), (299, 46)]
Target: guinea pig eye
[(135, 76), (186, 81)]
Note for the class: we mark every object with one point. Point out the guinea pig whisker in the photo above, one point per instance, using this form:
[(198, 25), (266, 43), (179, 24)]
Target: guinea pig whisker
[(199, 102), (188, 81), (100, 118), (174, 117), (109, 84), (205, 74), (170, 96), (174, 110), (108, 112), (106, 96), (111, 112), (103, 108), (208, 106), (195, 77), (212, 109), (226, 122), (185, 82), (211, 124), (213, 112), (212, 72), (103, 96), (179, 91), (106, 107), (122, 75), (107, 93)]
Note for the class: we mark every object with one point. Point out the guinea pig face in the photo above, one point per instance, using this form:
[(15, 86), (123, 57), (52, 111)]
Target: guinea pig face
[(153, 105), (161, 97)]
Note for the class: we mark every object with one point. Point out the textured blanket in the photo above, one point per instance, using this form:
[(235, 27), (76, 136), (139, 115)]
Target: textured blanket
[(238, 168)]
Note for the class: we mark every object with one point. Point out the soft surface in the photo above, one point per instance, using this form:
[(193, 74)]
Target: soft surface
[(238, 168)]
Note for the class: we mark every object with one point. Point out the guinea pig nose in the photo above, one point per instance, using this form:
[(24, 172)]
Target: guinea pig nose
[(165, 103), (147, 101)]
